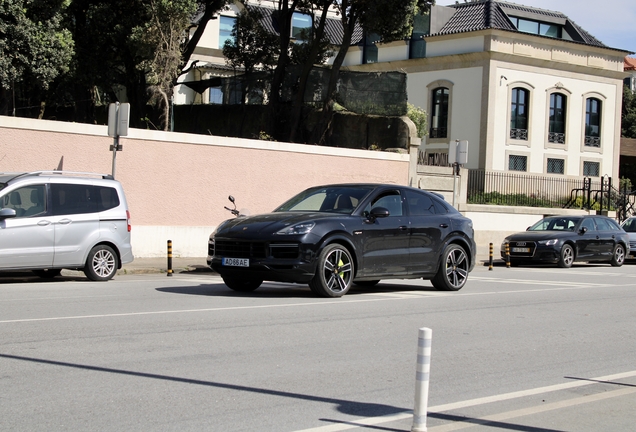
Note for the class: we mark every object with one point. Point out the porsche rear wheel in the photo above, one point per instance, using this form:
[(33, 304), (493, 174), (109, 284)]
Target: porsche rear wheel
[(453, 270)]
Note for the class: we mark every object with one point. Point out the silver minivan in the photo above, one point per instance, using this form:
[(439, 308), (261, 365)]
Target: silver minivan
[(54, 220)]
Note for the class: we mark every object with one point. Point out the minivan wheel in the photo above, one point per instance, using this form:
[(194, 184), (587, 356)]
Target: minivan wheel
[(453, 270), (101, 264), (48, 273)]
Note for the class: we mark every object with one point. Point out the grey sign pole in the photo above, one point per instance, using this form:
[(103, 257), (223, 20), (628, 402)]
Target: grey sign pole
[(118, 117)]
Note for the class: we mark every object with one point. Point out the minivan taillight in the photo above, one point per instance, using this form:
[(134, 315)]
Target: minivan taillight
[(128, 220)]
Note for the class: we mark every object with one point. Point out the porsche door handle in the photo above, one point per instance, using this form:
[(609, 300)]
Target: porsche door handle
[(403, 228), (443, 225)]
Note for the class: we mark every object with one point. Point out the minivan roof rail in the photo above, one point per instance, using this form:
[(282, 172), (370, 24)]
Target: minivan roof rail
[(67, 173)]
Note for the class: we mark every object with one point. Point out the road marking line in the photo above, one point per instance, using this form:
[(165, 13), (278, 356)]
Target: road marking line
[(407, 294), (343, 301), (339, 301), (532, 410), (368, 421), (530, 282)]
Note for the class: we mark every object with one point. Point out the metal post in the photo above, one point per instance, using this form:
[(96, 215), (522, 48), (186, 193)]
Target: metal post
[(490, 258), (169, 271), (425, 336), (454, 184), (507, 255), (115, 138), (115, 147)]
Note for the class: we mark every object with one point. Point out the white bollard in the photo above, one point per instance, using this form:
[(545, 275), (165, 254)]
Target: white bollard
[(421, 379)]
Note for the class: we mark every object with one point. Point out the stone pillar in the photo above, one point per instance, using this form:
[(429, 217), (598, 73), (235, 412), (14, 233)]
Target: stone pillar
[(413, 149)]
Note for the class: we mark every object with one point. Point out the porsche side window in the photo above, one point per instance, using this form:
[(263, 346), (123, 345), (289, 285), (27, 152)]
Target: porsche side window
[(419, 204), (391, 201)]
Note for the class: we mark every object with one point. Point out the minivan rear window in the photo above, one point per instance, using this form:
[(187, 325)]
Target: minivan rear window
[(77, 198)]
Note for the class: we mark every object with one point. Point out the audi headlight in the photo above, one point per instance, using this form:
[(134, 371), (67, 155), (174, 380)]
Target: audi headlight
[(298, 229), (550, 242)]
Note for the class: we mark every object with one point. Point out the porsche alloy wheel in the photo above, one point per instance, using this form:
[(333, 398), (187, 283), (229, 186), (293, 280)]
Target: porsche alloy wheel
[(334, 273), (453, 270)]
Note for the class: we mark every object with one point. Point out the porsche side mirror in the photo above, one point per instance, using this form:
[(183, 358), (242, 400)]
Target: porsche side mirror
[(583, 230), (377, 212)]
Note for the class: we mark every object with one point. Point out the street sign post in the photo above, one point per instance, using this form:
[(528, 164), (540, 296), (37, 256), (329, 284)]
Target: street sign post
[(118, 118), (457, 155)]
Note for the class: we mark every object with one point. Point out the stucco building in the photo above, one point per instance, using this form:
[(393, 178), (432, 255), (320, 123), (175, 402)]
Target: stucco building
[(528, 88)]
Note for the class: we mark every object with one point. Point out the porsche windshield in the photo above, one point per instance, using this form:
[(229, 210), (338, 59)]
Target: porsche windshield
[(336, 199)]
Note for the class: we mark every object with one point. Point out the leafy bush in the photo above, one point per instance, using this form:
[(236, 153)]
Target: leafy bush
[(418, 116)]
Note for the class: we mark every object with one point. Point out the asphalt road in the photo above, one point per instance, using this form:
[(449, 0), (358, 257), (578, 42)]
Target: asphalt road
[(519, 349)]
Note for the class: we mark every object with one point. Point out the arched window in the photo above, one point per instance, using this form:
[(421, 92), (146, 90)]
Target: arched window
[(439, 115), (558, 107), (519, 108), (593, 109)]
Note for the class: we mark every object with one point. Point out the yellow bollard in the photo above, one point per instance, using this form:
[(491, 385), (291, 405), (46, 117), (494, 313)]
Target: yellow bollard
[(507, 255), (490, 258), (169, 258)]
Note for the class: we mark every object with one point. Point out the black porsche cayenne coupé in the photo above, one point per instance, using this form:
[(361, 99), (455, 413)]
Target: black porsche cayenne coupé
[(331, 237)]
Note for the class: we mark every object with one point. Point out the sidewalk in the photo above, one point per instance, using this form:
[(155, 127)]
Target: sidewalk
[(198, 264), (160, 265)]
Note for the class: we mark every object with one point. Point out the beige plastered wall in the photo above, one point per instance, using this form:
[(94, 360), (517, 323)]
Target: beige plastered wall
[(177, 184)]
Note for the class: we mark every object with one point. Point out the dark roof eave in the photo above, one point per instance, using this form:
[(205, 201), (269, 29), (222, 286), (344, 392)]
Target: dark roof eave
[(528, 34)]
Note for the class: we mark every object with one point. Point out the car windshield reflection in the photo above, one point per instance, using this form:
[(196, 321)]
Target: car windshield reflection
[(344, 199), (630, 225), (556, 224)]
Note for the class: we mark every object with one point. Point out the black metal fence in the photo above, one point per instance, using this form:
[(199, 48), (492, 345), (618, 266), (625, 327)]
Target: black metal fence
[(505, 188)]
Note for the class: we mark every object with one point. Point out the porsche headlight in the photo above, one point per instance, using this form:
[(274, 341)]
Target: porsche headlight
[(298, 229)]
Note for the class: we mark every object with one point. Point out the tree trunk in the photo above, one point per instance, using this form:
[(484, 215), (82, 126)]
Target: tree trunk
[(299, 100), (321, 128), (284, 15), (5, 101)]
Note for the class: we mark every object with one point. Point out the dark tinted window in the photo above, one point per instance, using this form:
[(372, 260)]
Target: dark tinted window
[(630, 225), (419, 204), (392, 201), (602, 225), (77, 199), (606, 224), (441, 207), (589, 224)]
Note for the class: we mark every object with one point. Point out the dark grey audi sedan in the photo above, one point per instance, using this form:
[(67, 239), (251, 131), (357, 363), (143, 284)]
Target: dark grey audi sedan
[(331, 237), (562, 240)]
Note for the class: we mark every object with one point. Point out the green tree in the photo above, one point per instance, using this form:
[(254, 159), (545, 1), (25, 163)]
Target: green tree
[(388, 19), (160, 40), (628, 117), (34, 46), (253, 47), (129, 51)]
